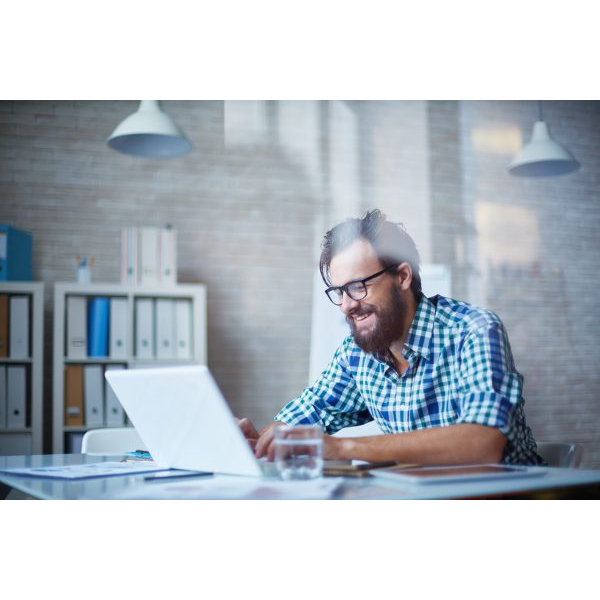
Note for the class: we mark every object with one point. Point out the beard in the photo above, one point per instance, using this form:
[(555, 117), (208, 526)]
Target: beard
[(388, 327)]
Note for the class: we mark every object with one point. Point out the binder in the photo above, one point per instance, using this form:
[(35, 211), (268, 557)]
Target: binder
[(118, 328), (3, 405), (144, 328), (3, 325), (15, 254), (98, 316), (16, 397), (19, 327), (149, 256), (76, 327), (168, 257), (165, 328), (115, 415), (73, 395), (183, 329), (93, 387), (129, 255)]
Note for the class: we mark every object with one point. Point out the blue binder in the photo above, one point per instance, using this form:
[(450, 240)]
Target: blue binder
[(98, 317), (15, 254)]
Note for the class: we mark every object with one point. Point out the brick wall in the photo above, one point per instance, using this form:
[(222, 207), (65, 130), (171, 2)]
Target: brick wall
[(266, 178)]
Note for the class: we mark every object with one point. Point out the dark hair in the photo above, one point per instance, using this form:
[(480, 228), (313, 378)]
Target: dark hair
[(389, 240)]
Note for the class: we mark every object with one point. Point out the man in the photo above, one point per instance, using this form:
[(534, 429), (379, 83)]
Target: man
[(437, 375)]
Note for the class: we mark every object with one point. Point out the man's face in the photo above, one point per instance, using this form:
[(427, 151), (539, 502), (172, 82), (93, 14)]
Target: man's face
[(377, 320)]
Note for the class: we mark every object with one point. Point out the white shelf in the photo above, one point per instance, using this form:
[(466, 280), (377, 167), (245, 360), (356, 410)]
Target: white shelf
[(195, 293), (31, 437)]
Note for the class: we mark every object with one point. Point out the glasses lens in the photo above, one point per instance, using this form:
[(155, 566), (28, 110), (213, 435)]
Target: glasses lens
[(335, 295), (357, 290)]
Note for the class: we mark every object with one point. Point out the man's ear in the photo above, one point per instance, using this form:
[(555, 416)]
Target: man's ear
[(404, 276)]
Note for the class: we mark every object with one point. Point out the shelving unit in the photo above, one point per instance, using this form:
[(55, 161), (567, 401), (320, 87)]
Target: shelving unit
[(28, 439), (195, 294)]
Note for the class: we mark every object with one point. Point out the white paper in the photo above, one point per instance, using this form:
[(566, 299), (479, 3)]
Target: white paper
[(233, 488)]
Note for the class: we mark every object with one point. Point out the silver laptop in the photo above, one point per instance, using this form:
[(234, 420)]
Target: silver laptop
[(184, 420)]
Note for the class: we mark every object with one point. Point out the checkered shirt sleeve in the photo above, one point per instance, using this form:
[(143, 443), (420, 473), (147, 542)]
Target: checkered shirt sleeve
[(489, 388), (333, 401)]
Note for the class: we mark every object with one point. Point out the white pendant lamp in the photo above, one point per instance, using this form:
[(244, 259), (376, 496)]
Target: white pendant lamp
[(149, 132), (542, 156)]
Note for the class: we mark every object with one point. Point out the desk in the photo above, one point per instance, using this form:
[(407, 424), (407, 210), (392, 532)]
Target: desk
[(556, 483)]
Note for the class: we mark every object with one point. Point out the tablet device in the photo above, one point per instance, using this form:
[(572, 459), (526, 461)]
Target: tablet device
[(447, 474)]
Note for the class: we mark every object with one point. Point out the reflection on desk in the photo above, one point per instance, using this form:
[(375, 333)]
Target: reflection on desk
[(556, 483)]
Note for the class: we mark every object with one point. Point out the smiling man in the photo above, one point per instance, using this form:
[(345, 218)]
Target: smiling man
[(436, 374)]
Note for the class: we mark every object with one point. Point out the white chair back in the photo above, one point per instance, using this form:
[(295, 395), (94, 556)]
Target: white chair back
[(117, 440)]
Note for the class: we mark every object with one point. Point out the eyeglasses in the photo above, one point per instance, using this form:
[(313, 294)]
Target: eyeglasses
[(357, 290)]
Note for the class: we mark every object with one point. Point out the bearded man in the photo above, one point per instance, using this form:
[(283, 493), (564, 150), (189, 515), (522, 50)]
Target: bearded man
[(436, 374)]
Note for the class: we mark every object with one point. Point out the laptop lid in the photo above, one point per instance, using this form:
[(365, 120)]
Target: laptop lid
[(184, 420)]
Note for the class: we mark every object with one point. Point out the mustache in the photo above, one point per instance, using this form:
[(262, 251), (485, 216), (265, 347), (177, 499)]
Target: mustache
[(359, 312)]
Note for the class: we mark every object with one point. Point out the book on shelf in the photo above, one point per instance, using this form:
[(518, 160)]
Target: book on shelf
[(98, 320), (15, 254), (93, 395), (115, 415), (3, 405), (3, 325), (118, 328), (144, 328), (76, 327), (165, 328), (149, 256), (183, 328), (73, 395), (19, 327), (16, 396)]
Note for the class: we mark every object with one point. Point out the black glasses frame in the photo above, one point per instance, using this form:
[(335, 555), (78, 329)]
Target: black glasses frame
[(336, 293)]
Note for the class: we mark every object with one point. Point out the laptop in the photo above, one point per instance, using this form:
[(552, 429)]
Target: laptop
[(184, 420)]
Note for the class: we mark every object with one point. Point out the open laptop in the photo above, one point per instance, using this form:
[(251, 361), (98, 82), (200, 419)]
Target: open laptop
[(184, 420)]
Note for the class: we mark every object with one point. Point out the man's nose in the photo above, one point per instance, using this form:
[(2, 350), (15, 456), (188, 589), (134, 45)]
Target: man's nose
[(348, 304)]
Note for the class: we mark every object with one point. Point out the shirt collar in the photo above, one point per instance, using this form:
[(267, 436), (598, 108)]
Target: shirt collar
[(420, 333)]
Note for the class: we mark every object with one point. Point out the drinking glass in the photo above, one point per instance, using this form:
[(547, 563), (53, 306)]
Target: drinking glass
[(299, 451)]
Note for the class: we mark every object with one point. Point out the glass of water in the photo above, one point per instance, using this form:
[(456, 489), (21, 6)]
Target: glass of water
[(299, 451)]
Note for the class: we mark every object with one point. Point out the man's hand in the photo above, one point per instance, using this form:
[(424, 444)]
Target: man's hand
[(249, 431), (265, 445), (332, 447)]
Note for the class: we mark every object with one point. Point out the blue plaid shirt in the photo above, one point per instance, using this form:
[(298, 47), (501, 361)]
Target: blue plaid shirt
[(461, 370)]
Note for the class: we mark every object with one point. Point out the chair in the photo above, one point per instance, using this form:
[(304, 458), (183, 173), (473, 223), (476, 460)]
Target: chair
[(560, 455), (116, 440)]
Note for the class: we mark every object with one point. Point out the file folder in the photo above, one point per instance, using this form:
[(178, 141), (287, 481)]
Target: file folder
[(168, 257), (15, 254), (98, 317), (183, 329), (93, 387), (16, 392), (3, 406), (115, 415), (76, 327), (19, 327), (118, 328), (129, 255), (3, 325), (73, 395), (144, 328), (149, 256), (165, 328)]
